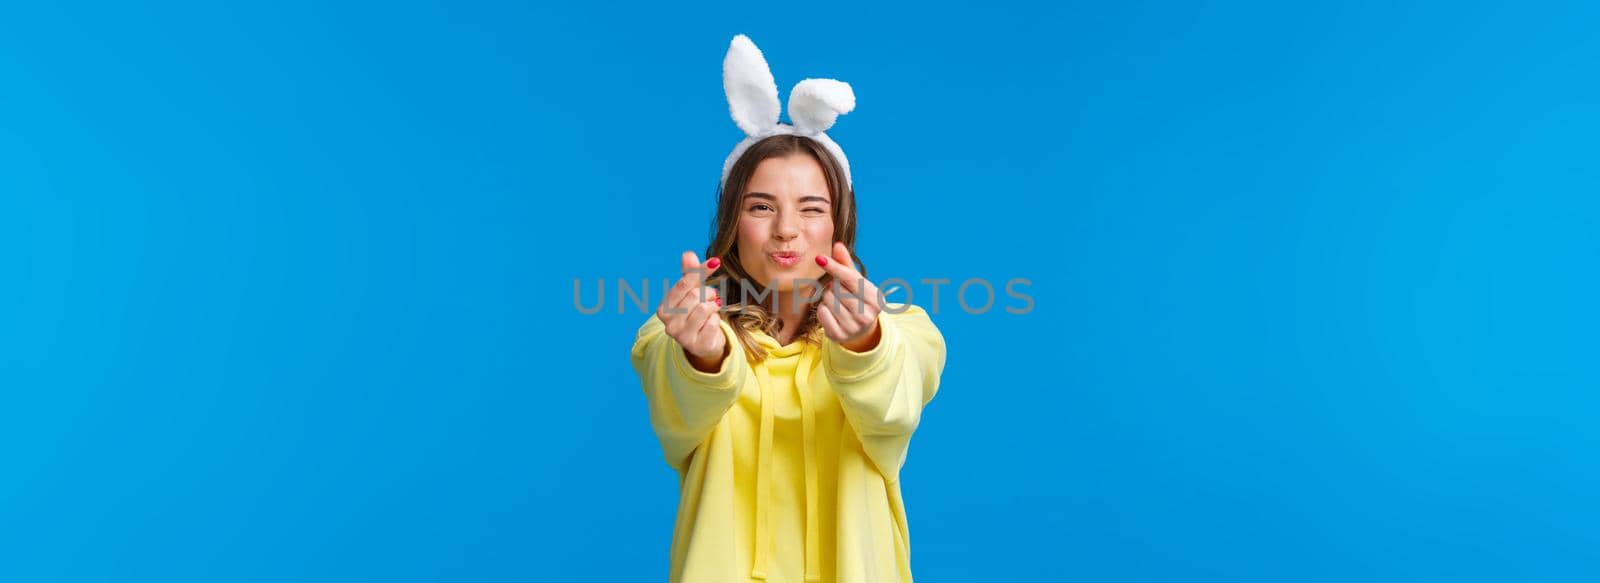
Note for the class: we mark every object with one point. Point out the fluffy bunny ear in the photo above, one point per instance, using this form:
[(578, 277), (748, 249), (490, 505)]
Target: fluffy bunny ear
[(752, 94), (814, 104)]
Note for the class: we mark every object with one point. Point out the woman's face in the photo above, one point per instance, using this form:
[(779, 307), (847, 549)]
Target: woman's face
[(785, 221)]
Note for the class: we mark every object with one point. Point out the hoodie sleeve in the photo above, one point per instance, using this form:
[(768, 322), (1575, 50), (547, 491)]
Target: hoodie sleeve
[(685, 404), (883, 390)]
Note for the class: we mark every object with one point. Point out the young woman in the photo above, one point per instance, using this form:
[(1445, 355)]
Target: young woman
[(782, 388)]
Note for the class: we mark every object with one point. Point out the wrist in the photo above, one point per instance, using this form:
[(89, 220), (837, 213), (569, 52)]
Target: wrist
[(865, 342), (706, 364)]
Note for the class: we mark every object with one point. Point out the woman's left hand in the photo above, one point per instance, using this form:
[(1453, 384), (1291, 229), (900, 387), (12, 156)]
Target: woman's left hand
[(850, 321)]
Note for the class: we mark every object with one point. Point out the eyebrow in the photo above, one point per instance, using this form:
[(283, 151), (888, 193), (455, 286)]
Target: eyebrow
[(803, 199)]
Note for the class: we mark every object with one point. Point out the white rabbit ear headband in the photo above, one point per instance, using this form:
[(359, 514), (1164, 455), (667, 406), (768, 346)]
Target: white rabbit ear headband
[(814, 104)]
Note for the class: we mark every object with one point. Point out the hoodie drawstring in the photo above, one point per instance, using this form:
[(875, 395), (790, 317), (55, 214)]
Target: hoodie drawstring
[(808, 438), (813, 550)]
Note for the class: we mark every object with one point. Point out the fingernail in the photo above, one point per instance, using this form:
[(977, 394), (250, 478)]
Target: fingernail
[(713, 263), (822, 261), (718, 301)]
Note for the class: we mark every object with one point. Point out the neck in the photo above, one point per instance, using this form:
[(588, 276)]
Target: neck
[(791, 311)]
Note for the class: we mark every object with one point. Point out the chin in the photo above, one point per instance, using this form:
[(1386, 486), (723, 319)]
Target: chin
[(785, 281), (780, 283), (788, 284)]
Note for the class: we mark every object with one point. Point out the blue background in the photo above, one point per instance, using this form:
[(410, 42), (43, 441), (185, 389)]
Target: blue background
[(288, 288)]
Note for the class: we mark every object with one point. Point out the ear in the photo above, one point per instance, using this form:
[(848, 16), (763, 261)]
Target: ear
[(752, 94), (814, 104)]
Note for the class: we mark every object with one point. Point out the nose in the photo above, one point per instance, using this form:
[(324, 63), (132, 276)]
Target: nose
[(788, 227)]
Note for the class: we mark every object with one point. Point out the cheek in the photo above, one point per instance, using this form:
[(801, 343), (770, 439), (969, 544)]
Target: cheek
[(752, 235), (820, 234)]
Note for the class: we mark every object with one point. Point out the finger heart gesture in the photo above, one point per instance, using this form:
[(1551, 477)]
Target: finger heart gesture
[(850, 319), (691, 313)]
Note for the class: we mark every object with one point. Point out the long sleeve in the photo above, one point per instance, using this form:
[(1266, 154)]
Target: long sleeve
[(685, 403), (883, 390)]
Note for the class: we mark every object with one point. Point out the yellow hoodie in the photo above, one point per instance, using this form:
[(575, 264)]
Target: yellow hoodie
[(787, 485)]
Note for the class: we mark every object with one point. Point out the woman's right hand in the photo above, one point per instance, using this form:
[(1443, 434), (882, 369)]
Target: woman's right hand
[(695, 324)]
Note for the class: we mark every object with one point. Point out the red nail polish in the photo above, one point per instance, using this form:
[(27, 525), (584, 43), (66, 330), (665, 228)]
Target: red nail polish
[(822, 261), (713, 263), (718, 301)]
